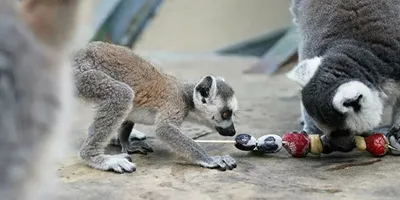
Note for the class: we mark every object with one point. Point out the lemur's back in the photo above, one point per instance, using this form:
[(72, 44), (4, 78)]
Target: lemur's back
[(148, 82), (369, 22)]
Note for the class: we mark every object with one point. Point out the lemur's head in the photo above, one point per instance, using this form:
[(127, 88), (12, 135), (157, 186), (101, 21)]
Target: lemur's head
[(340, 106), (214, 104)]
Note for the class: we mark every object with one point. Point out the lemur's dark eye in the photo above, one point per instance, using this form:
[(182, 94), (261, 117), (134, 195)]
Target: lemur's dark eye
[(226, 114)]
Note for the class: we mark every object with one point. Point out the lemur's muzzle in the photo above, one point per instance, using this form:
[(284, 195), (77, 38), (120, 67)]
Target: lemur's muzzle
[(341, 140), (228, 131)]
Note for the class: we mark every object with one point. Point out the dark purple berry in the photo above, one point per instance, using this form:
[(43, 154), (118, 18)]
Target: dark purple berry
[(245, 142), (269, 143)]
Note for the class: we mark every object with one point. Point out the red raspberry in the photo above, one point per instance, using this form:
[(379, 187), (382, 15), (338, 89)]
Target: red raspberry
[(377, 144), (297, 144)]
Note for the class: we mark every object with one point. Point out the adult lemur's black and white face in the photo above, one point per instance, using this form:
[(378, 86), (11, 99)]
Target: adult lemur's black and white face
[(339, 104), (349, 53)]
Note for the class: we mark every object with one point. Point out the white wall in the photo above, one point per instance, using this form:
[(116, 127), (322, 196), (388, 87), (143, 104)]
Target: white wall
[(206, 25)]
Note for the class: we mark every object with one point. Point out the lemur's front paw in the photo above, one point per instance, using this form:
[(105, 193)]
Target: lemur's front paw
[(394, 139), (119, 163), (136, 146), (220, 162)]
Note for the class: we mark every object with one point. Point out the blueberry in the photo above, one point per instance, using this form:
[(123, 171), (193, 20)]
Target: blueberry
[(245, 142), (269, 143)]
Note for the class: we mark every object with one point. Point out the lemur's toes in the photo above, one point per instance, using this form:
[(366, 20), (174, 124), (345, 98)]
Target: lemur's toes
[(129, 158), (224, 162), (222, 167), (139, 147), (137, 135), (120, 163), (229, 161), (394, 140), (393, 131)]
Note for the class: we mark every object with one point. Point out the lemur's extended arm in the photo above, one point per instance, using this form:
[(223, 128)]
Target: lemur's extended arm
[(168, 130)]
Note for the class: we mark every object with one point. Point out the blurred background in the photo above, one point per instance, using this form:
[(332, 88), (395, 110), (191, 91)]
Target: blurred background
[(257, 28)]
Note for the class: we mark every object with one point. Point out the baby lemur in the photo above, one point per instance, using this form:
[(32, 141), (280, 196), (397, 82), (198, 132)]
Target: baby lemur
[(127, 89), (35, 89)]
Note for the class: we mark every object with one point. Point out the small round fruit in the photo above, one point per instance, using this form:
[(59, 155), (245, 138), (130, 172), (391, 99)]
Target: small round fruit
[(269, 143), (245, 142), (360, 143), (377, 144), (297, 144)]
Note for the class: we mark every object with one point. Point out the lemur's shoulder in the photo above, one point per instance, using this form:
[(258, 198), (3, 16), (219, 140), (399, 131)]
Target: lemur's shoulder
[(159, 94)]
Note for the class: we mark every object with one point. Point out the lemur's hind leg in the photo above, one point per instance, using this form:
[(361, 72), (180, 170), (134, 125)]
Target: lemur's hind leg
[(114, 100), (130, 140)]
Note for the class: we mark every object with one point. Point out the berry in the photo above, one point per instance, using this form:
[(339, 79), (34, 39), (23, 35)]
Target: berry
[(269, 143), (377, 144), (245, 142), (297, 144)]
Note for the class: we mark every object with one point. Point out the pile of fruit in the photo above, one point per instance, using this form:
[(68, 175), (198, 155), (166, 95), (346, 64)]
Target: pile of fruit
[(299, 144)]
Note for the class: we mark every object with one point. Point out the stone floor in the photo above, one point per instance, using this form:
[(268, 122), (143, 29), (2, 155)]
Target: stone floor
[(268, 105)]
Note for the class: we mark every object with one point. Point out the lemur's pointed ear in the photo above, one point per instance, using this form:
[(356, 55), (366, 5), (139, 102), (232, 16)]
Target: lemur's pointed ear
[(304, 71), (221, 78), (206, 87)]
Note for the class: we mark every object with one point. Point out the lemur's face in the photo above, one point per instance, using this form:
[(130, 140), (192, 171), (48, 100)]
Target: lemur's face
[(353, 106), (340, 108), (351, 109), (215, 104)]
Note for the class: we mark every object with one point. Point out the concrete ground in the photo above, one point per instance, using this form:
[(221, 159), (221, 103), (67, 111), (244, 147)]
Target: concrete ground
[(268, 105)]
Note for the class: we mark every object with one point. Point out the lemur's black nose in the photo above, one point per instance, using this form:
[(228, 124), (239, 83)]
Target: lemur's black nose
[(355, 103), (228, 131)]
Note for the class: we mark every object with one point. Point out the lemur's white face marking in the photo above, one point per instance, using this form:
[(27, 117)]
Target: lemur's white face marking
[(304, 71), (361, 105), (233, 103), (214, 103)]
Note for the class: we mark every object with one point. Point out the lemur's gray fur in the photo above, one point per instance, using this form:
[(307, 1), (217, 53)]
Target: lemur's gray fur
[(349, 66), (127, 89), (33, 95)]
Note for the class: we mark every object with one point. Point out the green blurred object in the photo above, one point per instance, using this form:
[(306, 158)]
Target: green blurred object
[(274, 49), (121, 22)]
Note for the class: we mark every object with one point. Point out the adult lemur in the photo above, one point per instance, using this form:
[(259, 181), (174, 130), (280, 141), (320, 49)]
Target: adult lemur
[(127, 89), (349, 66), (35, 91)]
